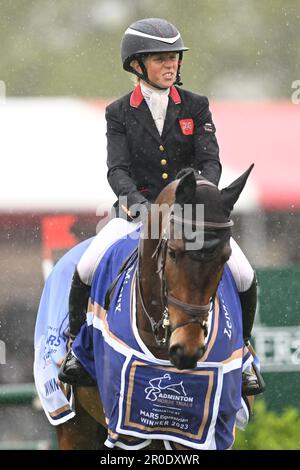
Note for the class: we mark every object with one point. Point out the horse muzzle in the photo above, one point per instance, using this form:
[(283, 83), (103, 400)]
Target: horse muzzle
[(181, 360)]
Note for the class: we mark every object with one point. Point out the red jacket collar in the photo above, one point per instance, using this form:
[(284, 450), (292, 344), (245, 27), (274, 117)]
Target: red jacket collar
[(137, 96), (175, 95)]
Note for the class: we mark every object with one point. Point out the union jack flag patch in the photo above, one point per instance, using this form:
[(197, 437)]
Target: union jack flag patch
[(187, 126)]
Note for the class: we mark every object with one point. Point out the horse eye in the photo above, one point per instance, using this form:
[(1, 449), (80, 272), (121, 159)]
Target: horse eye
[(172, 254)]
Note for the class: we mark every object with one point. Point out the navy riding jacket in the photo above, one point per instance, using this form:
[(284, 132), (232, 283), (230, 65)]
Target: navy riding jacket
[(141, 162)]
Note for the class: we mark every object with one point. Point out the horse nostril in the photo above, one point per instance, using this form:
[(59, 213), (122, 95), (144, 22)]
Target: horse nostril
[(176, 355), (180, 360), (201, 352), (176, 351)]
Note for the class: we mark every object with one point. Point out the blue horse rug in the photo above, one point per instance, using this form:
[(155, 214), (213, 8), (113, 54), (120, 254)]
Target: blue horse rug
[(148, 398), (50, 340)]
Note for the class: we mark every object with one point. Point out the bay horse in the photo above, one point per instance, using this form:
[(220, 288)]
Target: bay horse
[(186, 352)]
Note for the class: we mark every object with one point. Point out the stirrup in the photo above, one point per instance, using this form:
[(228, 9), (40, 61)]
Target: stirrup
[(257, 386), (70, 340), (73, 373)]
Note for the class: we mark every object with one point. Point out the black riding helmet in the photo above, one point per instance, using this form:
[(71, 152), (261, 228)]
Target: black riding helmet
[(149, 36)]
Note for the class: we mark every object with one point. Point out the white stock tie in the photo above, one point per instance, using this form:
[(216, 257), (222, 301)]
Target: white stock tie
[(157, 101), (158, 108)]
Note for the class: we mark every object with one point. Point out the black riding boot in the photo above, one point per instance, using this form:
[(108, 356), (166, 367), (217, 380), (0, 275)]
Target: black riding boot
[(78, 303), (253, 383), (71, 370)]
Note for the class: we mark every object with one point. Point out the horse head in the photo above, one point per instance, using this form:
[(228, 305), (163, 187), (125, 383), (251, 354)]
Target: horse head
[(193, 247)]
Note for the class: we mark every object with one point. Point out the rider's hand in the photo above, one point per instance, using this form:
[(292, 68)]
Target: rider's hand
[(139, 212)]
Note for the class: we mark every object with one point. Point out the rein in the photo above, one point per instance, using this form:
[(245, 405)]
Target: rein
[(129, 261)]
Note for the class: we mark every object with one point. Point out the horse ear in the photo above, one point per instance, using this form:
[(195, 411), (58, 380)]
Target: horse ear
[(231, 194), (186, 188)]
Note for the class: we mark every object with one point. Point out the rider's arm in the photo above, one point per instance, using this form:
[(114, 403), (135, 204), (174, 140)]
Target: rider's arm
[(119, 158), (205, 142)]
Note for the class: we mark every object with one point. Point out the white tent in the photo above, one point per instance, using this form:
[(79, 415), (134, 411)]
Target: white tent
[(53, 156)]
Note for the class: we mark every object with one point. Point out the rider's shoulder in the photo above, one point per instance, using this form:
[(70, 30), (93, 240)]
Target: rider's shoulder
[(192, 97), (119, 104)]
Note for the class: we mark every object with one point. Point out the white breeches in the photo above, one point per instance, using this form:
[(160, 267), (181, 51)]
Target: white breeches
[(114, 230), (240, 267), (118, 228)]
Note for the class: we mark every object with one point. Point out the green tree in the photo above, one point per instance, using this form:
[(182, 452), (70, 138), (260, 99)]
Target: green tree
[(268, 430)]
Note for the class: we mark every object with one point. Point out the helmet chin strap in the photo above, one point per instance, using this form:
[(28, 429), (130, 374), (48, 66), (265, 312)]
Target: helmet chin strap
[(144, 75)]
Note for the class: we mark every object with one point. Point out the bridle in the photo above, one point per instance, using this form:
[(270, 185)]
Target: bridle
[(198, 314)]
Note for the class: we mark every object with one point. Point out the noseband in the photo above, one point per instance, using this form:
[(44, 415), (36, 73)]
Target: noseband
[(198, 314)]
